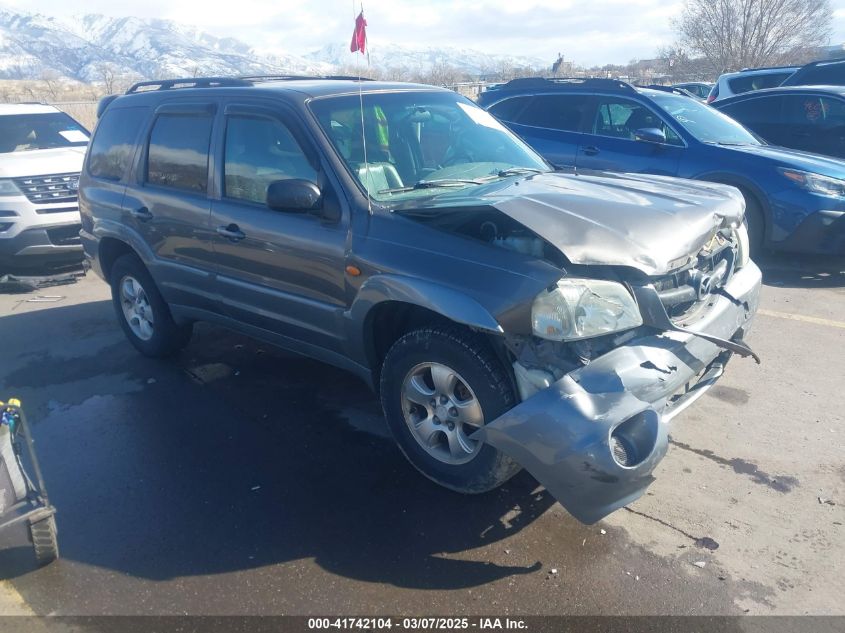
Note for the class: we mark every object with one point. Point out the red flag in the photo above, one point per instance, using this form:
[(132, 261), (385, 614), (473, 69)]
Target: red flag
[(359, 37)]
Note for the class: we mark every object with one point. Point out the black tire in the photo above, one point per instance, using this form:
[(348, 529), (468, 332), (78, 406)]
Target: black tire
[(42, 533), (469, 355), (756, 225), (167, 337)]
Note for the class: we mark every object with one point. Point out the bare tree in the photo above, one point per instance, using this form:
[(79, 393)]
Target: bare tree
[(51, 80), (735, 34), (108, 75)]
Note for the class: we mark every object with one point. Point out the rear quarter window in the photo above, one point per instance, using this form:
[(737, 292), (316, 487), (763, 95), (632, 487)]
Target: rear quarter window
[(114, 142)]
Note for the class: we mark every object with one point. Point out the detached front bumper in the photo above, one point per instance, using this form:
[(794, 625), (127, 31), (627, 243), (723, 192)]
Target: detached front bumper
[(622, 402)]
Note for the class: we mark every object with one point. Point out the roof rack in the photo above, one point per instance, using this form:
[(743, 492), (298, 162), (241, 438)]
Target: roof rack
[(568, 82), (223, 82), (190, 82), (672, 89), (255, 78), (745, 70)]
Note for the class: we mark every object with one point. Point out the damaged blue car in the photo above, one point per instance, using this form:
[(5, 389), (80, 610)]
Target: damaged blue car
[(507, 315)]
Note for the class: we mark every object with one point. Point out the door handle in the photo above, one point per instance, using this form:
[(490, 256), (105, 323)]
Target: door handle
[(590, 150), (231, 232), (142, 213)]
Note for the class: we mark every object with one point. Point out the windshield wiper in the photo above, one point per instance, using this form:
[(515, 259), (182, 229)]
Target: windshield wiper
[(431, 184)]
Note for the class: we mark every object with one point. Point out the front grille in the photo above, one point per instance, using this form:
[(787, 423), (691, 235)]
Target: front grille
[(49, 189), (65, 235), (684, 291)]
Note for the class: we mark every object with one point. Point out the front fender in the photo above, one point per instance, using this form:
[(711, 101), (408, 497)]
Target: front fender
[(451, 304)]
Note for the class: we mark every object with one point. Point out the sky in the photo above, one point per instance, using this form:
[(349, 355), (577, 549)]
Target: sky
[(589, 33)]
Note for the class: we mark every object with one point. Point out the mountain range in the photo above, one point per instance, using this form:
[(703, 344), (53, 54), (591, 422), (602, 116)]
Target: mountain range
[(80, 47)]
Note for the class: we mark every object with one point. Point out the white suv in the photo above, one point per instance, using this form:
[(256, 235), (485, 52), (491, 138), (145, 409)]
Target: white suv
[(748, 79), (41, 152)]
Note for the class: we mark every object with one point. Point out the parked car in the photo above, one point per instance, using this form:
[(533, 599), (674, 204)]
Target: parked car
[(698, 88), (809, 118), (794, 200), (820, 73), (748, 79), (507, 315), (41, 152)]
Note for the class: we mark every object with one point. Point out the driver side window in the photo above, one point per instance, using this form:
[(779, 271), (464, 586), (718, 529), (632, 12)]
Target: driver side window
[(260, 151), (620, 118)]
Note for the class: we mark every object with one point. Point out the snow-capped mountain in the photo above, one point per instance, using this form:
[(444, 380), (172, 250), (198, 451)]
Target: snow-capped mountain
[(79, 47), (389, 56)]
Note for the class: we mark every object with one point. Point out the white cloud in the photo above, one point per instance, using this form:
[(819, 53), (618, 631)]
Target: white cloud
[(596, 31)]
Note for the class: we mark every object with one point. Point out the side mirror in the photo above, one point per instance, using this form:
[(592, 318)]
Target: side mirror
[(293, 195), (650, 135)]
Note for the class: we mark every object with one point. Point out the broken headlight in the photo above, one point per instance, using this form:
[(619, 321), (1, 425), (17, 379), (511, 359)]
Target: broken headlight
[(583, 308)]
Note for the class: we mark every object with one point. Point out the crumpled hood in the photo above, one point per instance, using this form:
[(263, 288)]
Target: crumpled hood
[(652, 223), (41, 162)]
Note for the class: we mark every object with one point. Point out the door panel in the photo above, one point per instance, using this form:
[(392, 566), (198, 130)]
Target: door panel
[(281, 271), (611, 145), (168, 204)]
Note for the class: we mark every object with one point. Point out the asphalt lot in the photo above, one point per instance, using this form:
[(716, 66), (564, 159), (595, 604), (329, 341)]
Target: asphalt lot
[(237, 479)]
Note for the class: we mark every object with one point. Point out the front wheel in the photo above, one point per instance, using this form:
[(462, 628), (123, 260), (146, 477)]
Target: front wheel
[(438, 386)]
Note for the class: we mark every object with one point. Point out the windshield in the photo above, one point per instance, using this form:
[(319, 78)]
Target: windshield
[(43, 130), (703, 122), (419, 143)]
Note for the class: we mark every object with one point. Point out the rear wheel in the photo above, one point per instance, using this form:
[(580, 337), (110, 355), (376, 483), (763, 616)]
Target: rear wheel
[(142, 312), (438, 386)]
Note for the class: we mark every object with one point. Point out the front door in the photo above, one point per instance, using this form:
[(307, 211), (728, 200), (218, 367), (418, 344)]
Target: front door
[(280, 271), (611, 145)]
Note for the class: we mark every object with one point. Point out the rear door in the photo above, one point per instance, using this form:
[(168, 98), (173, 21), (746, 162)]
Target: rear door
[(279, 271), (552, 124), (814, 123), (611, 146), (167, 202)]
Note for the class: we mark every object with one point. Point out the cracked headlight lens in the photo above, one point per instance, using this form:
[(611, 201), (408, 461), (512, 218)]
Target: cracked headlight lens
[(816, 183), (583, 308)]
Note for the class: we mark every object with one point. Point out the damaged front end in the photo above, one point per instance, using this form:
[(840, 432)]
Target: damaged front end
[(593, 421)]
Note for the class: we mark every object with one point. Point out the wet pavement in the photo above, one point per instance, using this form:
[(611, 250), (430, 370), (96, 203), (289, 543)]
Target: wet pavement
[(238, 479)]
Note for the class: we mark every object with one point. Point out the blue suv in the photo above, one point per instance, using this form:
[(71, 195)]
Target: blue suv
[(795, 201)]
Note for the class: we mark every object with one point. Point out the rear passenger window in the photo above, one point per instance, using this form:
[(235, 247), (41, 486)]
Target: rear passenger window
[(748, 83), (260, 151), (114, 142), (178, 153), (755, 111), (508, 109), (557, 112)]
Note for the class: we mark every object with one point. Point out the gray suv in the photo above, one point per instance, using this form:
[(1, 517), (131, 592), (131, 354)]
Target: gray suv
[(508, 316)]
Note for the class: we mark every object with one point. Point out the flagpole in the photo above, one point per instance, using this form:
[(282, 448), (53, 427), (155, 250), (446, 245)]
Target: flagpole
[(361, 102)]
